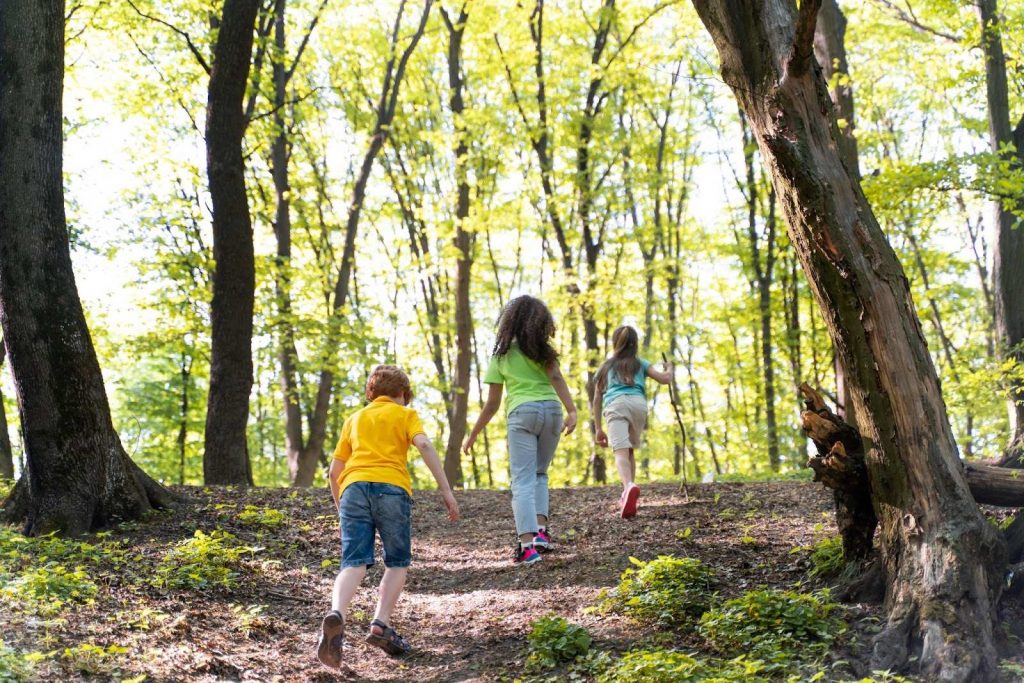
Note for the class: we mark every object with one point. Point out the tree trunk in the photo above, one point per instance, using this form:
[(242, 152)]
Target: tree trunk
[(78, 476), (464, 264), (942, 561), (1008, 255), (226, 454)]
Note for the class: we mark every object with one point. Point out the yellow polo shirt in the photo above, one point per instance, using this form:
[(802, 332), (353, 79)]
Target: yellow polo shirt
[(374, 443)]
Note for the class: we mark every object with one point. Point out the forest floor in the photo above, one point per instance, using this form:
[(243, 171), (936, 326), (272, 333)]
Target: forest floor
[(466, 610)]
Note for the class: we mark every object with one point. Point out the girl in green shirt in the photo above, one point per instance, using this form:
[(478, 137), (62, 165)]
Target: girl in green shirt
[(524, 362)]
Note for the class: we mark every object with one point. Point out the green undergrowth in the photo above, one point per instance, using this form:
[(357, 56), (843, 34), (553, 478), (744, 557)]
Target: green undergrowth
[(782, 628), (783, 635), (15, 666), (45, 575), (667, 591), (554, 641), (203, 561)]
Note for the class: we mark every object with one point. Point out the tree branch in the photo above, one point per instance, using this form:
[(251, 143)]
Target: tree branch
[(803, 40), (909, 18), (188, 39)]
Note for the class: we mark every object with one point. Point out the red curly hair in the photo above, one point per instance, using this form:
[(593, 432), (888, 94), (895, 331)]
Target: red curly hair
[(388, 380)]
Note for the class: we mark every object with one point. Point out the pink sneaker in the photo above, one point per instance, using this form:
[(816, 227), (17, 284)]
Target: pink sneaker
[(542, 541), (527, 555), (629, 498)]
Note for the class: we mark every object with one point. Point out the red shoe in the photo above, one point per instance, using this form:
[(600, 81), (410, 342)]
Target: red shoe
[(629, 498)]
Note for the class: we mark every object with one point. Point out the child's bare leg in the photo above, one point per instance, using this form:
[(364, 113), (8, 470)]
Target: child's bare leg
[(542, 521), (390, 588), (625, 465), (632, 465), (345, 586)]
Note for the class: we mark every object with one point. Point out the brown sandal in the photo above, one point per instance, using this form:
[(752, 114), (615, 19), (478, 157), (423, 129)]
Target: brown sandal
[(387, 639)]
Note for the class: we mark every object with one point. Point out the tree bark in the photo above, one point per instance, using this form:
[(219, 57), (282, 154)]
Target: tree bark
[(78, 476), (840, 466), (226, 453), (942, 561), (1008, 255), (464, 240)]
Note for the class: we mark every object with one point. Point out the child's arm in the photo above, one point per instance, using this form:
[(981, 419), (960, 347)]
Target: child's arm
[(337, 467), (433, 462), (486, 413), (661, 376), (342, 452), (600, 438), (562, 389)]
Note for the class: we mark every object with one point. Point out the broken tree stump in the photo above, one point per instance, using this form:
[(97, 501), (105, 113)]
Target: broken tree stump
[(840, 466)]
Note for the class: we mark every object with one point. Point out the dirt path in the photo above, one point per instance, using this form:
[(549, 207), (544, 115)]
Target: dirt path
[(466, 609)]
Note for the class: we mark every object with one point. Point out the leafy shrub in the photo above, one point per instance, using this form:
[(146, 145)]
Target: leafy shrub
[(16, 667), (827, 558), (783, 628), (671, 666), (667, 591), (249, 619), (554, 641), (268, 518), (94, 660), (200, 562), (46, 589)]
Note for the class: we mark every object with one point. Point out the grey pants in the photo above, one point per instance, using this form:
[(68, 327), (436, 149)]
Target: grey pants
[(533, 432)]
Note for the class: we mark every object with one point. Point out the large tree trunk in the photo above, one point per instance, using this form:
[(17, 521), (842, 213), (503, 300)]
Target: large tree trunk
[(226, 456), (464, 264), (1008, 255), (942, 561), (78, 475)]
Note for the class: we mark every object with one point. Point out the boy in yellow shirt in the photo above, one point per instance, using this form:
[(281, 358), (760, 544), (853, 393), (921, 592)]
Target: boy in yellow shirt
[(372, 491)]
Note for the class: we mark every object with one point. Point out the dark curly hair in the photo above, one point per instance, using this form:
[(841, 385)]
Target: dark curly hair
[(527, 321), (625, 364)]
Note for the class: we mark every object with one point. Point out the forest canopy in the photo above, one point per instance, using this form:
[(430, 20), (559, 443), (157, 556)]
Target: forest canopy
[(628, 190)]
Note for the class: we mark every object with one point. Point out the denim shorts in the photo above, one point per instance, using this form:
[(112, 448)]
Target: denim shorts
[(385, 508)]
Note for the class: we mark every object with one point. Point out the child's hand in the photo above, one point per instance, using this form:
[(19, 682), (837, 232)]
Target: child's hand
[(452, 505), (600, 438), (468, 446), (569, 424)]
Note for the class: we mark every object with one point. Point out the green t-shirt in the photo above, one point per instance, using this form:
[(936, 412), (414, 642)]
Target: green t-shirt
[(525, 380)]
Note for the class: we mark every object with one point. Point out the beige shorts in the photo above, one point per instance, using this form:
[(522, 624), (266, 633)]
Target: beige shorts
[(626, 417)]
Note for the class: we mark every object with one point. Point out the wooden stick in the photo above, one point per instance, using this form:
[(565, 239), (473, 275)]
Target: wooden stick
[(675, 407)]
